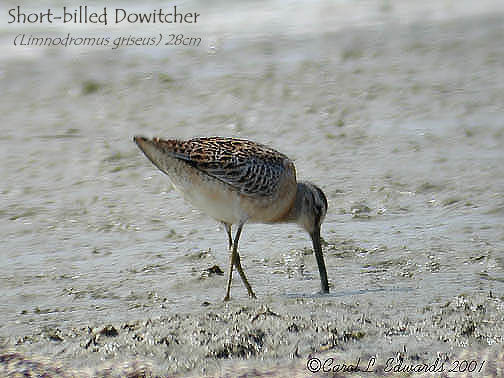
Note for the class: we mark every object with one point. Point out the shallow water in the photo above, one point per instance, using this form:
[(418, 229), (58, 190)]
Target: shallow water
[(400, 122)]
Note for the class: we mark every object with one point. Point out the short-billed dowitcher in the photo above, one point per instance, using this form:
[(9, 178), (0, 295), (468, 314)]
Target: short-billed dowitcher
[(237, 181)]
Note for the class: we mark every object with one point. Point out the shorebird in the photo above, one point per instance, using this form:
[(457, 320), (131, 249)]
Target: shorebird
[(237, 181)]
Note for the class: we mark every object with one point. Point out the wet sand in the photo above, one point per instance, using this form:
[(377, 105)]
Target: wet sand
[(400, 123)]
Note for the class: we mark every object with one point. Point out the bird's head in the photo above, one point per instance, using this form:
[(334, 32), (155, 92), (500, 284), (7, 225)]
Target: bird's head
[(311, 206)]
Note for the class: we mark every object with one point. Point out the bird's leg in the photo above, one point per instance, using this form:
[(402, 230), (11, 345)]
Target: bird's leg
[(231, 260), (243, 277), (230, 238), (237, 263)]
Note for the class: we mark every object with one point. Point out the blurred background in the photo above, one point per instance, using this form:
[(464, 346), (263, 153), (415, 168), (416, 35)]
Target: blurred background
[(394, 108)]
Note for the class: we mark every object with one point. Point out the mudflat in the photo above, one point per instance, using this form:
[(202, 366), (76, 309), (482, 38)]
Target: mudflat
[(103, 265)]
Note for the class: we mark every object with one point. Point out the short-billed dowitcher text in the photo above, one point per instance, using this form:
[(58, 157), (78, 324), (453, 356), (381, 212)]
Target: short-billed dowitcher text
[(236, 181)]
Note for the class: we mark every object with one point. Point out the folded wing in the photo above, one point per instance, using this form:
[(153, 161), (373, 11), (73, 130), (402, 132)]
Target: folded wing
[(250, 168)]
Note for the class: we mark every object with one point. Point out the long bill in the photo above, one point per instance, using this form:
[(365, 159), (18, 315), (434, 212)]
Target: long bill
[(317, 248)]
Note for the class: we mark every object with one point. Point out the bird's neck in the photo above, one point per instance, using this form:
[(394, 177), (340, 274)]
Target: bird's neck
[(296, 210)]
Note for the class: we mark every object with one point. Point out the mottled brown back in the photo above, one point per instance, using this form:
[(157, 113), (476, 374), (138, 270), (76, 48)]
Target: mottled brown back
[(249, 167)]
